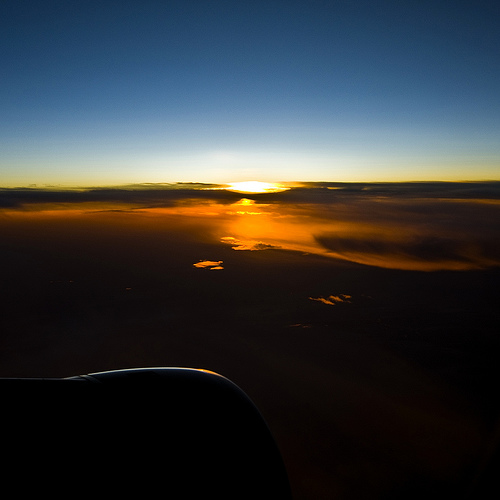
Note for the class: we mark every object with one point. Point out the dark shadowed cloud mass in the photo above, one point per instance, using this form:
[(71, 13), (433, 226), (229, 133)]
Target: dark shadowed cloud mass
[(308, 298)]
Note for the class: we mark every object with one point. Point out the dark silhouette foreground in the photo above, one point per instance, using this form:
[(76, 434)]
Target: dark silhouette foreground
[(171, 432)]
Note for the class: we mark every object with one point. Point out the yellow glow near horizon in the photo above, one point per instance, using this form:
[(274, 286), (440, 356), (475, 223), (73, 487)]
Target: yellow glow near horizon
[(371, 229), (256, 187)]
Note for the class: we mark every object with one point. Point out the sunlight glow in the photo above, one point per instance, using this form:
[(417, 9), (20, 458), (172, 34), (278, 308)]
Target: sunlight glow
[(371, 229), (256, 187)]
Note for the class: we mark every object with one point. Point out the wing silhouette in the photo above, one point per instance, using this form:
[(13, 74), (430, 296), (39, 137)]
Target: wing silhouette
[(174, 432)]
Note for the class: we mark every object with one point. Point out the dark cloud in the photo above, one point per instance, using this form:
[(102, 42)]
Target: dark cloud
[(461, 190), (164, 195), (427, 250), (147, 195), (326, 192)]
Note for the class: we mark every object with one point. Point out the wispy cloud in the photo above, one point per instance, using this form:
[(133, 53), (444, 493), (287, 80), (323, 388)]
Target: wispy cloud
[(247, 245), (426, 252)]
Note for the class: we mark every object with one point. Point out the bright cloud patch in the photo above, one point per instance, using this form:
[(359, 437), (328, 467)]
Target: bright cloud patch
[(333, 300), (211, 265), (256, 187), (247, 245)]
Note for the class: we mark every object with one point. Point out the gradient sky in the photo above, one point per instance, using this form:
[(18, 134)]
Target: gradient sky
[(114, 92)]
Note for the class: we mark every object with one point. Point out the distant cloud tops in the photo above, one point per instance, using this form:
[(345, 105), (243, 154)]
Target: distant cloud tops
[(412, 226)]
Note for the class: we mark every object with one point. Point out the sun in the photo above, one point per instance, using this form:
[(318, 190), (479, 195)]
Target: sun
[(256, 187)]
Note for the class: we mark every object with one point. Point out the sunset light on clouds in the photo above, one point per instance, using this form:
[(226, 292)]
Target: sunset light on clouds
[(256, 187), (303, 196), (427, 227)]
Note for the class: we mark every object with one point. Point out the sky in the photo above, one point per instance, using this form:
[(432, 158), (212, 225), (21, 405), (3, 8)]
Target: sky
[(109, 92)]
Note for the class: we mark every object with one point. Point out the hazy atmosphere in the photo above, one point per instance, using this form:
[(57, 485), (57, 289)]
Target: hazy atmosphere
[(302, 196)]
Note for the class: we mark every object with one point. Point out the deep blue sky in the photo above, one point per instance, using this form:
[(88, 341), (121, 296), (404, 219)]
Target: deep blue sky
[(110, 92)]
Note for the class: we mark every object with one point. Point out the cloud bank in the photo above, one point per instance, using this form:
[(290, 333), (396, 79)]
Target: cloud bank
[(416, 226)]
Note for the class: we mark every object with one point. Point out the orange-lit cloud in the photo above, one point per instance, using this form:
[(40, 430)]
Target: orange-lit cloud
[(426, 227), (333, 300), (212, 265), (247, 245)]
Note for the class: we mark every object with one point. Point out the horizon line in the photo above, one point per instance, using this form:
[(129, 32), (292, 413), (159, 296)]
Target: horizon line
[(226, 185)]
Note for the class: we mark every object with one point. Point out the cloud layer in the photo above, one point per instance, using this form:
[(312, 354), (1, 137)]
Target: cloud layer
[(417, 226)]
